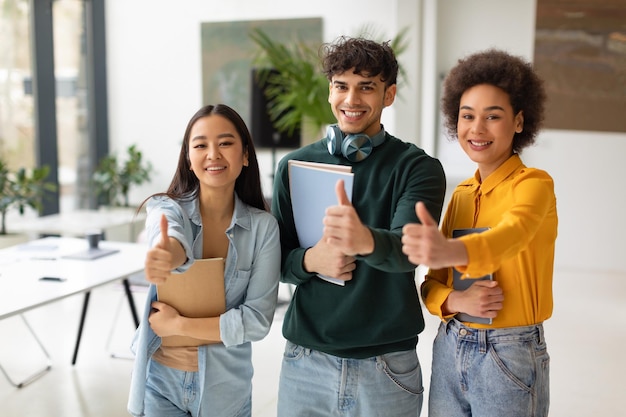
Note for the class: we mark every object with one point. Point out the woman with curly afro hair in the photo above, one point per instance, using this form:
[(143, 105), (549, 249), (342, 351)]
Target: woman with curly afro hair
[(490, 357)]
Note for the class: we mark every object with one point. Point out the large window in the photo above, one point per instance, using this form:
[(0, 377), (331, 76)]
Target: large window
[(72, 95), (17, 143), (54, 113)]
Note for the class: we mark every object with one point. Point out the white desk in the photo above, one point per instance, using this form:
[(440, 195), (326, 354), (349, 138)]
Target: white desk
[(22, 266), (117, 223)]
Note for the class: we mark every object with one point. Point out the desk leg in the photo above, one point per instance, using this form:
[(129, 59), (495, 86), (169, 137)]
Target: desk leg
[(37, 374), (131, 301), (80, 326)]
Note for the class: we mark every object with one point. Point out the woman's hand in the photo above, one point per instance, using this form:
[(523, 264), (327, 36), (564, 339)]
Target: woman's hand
[(481, 299), (158, 265), (164, 319)]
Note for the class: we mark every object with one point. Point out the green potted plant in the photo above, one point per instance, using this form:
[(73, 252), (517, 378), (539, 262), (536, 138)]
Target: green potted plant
[(295, 87), (294, 84), (20, 189), (113, 178)]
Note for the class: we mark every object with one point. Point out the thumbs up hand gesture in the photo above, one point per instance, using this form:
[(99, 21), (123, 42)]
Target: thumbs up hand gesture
[(425, 244), (158, 263), (343, 228)]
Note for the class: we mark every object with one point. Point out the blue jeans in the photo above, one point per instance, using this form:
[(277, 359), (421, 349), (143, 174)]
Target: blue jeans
[(174, 393), (489, 372), (313, 384)]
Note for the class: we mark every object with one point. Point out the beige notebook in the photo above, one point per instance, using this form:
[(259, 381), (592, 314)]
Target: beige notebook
[(197, 292)]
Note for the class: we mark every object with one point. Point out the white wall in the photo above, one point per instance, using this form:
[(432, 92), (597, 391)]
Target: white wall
[(155, 86), (462, 30), (154, 65), (585, 165), (588, 172)]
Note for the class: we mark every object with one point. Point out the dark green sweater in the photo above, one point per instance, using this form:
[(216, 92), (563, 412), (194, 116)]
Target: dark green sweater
[(378, 311)]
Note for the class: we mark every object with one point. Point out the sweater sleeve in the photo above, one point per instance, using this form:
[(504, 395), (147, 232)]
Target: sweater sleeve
[(436, 287), (292, 255), (421, 179)]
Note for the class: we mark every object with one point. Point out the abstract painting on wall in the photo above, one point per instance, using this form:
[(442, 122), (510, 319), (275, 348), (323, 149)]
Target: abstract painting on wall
[(580, 52)]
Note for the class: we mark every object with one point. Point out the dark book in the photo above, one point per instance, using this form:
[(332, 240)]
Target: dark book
[(462, 284)]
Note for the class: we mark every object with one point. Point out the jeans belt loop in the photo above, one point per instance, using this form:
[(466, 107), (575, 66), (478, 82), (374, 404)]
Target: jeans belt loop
[(540, 335), (482, 340), (448, 324)]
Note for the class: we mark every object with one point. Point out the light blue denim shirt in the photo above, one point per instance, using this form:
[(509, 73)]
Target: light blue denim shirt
[(251, 277)]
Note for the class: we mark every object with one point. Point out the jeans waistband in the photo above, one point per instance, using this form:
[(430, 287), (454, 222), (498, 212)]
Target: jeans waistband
[(293, 347), (506, 334)]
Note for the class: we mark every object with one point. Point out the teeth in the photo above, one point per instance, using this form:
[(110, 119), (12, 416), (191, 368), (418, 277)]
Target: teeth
[(353, 113), (215, 168), (479, 143)]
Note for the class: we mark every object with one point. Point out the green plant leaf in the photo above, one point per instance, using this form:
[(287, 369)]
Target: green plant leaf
[(113, 178), (22, 188)]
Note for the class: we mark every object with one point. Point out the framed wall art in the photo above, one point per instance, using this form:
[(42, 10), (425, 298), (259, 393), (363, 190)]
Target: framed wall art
[(580, 52)]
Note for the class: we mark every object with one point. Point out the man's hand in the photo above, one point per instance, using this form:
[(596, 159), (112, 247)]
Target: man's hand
[(325, 259), (424, 244), (158, 265), (343, 229)]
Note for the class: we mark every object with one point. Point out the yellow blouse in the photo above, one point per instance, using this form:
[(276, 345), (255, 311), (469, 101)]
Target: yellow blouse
[(518, 204)]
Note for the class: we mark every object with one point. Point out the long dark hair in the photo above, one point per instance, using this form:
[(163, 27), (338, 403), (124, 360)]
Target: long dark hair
[(185, 184)]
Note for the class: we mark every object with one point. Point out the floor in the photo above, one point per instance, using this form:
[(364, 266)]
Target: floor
[(585, 336)]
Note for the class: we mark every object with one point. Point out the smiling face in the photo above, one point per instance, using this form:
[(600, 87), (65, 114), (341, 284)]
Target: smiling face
[(486, 126), (357, 102), (216, 153)]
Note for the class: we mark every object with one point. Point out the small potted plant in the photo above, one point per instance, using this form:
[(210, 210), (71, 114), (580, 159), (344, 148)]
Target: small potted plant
[(113, 178), (20, 189)]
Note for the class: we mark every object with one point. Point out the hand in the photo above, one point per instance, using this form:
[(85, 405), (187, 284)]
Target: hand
[(482, 299), (163, 319), (425, 244), (327, 260), (343, 229), (158, 265)]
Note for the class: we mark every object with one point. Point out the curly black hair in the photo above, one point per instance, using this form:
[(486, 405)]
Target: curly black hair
[(367, 57), (514, 75)]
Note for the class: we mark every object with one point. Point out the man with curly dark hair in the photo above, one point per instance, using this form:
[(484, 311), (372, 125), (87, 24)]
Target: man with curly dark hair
[(490, 357), (351, 349)]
